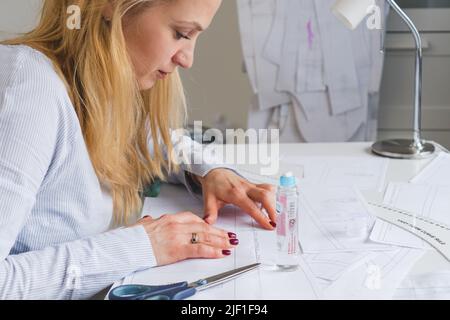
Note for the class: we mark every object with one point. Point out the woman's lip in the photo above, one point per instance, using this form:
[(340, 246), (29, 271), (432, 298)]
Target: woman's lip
[(161, 74)]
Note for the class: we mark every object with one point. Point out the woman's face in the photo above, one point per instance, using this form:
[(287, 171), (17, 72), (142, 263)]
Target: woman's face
[(163, 37)]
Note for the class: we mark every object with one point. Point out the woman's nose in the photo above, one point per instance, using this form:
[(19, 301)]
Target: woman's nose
[(184, 59)]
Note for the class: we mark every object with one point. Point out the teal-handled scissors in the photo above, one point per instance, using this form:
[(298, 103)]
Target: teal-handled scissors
[(175, 291)]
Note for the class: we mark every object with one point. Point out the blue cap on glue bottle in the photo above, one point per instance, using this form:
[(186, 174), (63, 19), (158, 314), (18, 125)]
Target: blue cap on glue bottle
[(288, 180)]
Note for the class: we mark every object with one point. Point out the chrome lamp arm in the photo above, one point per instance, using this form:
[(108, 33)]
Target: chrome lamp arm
[(406, 148), (418, 75), (351, 13)]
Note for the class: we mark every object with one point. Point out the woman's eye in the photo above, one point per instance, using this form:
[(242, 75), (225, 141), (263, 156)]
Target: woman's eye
[(179, 36)]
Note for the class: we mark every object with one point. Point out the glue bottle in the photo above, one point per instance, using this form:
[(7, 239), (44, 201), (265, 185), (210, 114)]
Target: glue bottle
[(287, 223)]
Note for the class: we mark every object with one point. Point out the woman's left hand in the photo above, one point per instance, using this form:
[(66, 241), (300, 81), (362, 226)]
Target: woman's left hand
[(223, 186)]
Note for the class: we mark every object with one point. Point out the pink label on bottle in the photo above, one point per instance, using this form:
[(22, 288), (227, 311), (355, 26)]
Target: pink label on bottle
[(281, 218)]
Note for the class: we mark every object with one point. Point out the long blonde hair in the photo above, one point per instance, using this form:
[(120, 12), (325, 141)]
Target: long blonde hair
[(116, 118)]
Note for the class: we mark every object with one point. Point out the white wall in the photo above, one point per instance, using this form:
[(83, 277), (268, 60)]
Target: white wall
[(18, 16), (216, 84)]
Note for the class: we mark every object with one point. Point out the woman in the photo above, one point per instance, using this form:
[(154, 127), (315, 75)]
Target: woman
[(85, 119)]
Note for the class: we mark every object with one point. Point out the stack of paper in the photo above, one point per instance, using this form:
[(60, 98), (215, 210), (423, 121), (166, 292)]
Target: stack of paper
[(346, 252), (425, 204), (335, 226), (425, 201)]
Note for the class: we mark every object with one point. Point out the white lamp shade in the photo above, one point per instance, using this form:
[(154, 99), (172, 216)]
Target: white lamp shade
[(352, 12)]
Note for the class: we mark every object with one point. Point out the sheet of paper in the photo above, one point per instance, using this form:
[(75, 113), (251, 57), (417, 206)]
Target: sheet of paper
[(274, 44), (310, 75), (263, 14), (287, 72), (335, 219), (425, 201), (361, 172), (331, 266), (436, 173), (377, 278), (256, 245), (266, 283), (312, 112), (430, 286), (341, 78), (253, 173)]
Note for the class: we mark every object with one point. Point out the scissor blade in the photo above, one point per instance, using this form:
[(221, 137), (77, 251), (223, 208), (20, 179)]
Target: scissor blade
[(222, 277)]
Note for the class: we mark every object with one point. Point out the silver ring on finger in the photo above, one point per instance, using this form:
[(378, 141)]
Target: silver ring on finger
[(195, 239)]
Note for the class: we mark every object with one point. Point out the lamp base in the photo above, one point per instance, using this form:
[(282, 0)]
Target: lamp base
[(403, 149)]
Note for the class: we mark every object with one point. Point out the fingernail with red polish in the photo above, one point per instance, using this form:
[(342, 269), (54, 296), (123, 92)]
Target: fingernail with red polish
[(226, 252), (145, 217), (273, 224), (234, 242), (231, 235)]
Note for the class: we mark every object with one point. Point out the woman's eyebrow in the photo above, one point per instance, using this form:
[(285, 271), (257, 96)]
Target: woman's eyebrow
[(195, 24)]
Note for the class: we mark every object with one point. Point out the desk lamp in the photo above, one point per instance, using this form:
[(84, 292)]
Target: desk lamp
[(351, 13)]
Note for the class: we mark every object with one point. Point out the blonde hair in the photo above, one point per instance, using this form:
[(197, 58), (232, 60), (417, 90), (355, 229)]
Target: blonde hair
[(116, 118)]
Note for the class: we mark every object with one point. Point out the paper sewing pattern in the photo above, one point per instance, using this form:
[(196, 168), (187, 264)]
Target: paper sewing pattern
[(428, 203), (429, 286), (335, 219), (297, 53), (377, 278), (363, 173), (331, 266), (436, 173), (360, 172), (256, 245)]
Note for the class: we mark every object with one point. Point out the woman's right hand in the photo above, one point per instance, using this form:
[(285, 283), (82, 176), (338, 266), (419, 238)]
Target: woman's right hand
[(171, 235)]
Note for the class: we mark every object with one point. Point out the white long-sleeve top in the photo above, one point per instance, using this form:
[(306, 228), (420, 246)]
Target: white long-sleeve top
[(55, 236)]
